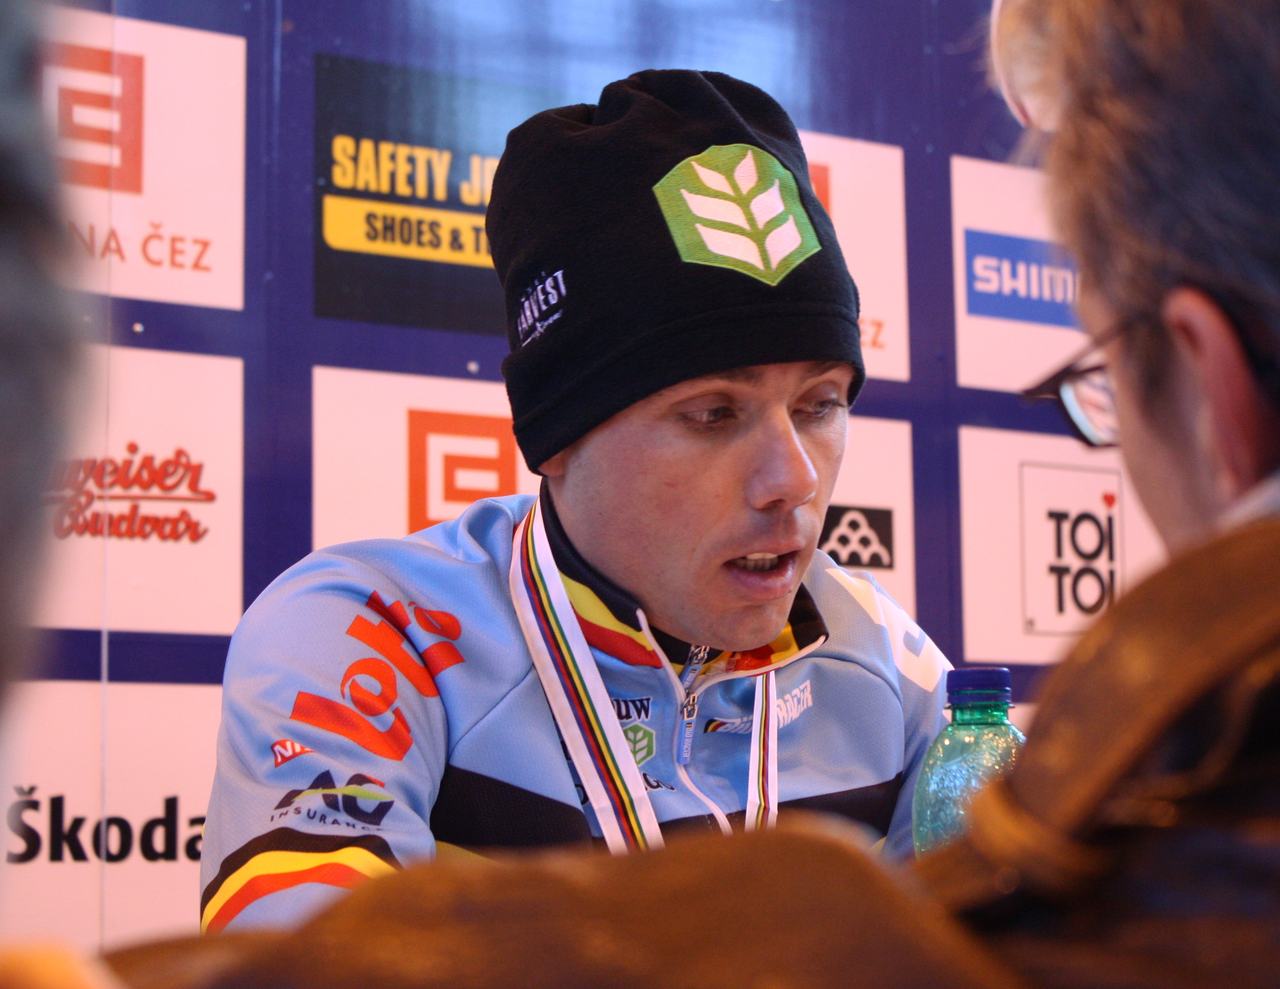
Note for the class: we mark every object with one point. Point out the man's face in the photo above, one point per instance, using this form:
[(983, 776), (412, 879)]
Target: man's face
[(706, 499)]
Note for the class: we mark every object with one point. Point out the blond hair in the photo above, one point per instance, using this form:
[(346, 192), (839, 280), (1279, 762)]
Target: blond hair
[(1164, 161)]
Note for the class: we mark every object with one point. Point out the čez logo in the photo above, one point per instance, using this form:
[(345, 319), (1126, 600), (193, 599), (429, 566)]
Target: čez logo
[(1032, 281), (455, 459), (95, 95)]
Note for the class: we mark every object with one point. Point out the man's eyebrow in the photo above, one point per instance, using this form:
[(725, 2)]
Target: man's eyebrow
[(822, 367), (750, 375)]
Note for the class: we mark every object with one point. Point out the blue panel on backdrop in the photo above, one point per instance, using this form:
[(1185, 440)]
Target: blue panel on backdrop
[(131, 657)]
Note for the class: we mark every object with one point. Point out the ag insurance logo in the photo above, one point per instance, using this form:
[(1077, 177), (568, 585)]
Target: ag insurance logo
[(455, 459), (149, 123), (1070, 545)]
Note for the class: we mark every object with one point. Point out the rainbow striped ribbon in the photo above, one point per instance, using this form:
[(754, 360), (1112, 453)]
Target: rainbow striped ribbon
[(577, 695), (762, 772), (585, 715)]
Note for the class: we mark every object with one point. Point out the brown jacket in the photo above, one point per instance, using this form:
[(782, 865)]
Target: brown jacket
[(1137, 843)]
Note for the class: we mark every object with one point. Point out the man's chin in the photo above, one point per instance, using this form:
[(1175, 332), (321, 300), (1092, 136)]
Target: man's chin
[(755, 630)]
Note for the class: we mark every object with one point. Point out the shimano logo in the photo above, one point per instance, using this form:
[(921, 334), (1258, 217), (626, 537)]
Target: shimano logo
[(1032, 281)]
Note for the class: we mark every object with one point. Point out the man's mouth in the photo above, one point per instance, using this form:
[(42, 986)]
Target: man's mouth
[(761, 562)]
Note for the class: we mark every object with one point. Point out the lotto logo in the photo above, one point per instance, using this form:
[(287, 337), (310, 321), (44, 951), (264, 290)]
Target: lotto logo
[(455, 459), (95, 98), (353, 716)]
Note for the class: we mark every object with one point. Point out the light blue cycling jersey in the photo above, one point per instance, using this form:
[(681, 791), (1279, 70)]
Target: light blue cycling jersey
[(380, 706)]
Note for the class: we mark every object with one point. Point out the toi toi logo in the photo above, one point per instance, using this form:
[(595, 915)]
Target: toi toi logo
[(1072, 555), (1084, 567)]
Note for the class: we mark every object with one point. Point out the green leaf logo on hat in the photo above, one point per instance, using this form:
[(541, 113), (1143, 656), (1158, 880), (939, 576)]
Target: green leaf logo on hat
[(736, 206)]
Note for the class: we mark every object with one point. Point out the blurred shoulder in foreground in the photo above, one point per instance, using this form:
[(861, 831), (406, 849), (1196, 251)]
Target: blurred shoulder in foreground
[(801, 905), (37, 338)]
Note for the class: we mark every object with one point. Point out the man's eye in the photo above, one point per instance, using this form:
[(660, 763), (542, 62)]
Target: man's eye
[(824, 408), (707, 418)]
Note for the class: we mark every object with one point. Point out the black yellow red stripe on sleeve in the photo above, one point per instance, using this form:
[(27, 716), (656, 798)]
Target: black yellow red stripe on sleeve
[(285, 858)]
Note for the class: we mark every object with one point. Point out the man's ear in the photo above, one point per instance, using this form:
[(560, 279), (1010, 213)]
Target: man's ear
[(1239, 421)]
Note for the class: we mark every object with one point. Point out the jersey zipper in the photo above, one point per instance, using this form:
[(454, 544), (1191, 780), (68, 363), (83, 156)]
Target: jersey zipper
[(688, 707), (691, 698)]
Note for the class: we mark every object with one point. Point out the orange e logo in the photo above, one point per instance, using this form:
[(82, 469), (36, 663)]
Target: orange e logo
[(454, 459), (96, 94)]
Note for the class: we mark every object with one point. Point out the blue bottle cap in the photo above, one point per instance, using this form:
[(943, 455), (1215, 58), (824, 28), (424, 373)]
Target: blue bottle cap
[(979, 684)]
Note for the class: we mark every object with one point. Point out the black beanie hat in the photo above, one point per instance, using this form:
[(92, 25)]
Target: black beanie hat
[(667, 233)]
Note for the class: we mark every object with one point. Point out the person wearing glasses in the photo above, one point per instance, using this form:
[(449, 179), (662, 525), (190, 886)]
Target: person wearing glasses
[(1136, 841)]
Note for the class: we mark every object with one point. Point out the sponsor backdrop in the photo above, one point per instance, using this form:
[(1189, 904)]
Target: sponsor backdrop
[(277, 209)]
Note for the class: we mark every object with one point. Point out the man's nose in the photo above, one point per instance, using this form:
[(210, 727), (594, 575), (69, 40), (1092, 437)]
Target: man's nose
[(781, 474)]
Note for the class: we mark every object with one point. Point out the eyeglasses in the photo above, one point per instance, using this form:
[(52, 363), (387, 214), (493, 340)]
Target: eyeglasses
[(1082, 388)]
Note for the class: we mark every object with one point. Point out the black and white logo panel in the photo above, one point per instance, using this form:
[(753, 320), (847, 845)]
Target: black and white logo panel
[(859, 538)]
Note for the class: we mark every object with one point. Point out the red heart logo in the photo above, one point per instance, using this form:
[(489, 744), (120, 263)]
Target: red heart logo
[(1109, 499)]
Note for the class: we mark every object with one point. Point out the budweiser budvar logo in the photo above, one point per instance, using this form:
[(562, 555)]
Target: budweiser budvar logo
[(85, 494)]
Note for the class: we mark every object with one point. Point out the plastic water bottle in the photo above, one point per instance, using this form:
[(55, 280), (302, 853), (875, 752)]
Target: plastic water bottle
[(978, 744)]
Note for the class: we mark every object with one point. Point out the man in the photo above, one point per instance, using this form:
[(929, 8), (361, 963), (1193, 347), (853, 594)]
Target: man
[(654, 643), (1135, 842)]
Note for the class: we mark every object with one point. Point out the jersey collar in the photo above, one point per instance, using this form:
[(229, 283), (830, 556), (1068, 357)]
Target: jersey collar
[(611, 618)]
